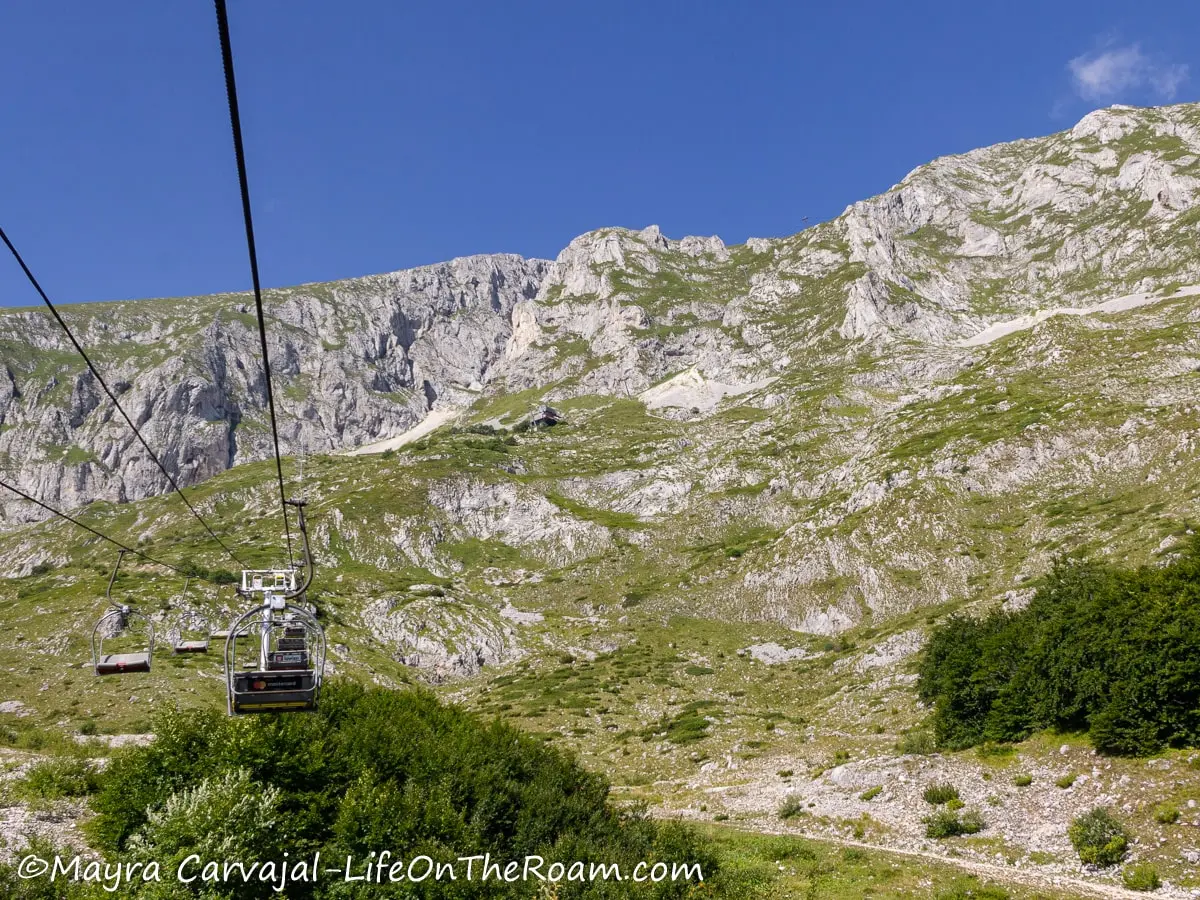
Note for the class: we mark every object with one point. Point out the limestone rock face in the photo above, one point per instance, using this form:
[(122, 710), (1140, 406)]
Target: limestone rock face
[(352, 362), (964, 244)]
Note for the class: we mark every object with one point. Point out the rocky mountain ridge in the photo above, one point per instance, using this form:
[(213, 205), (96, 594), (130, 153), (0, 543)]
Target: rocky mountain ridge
[(1106, 208)]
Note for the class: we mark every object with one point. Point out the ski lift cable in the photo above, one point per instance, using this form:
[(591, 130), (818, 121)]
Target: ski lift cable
[(111, 396), (123, 547), (235, 124)]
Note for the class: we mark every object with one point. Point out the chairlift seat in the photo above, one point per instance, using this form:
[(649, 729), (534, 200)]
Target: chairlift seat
[(118, 618), (287, 660), (191, 647), (291, 643), (273, 691), (122, 663)]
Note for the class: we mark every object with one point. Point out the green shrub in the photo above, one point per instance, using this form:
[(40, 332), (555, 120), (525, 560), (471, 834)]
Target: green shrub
[(216, 576), (792, 806), (687, 726), (954, 805), (786, 773), (1165, 814), (871, 793), (1023, 780), (60, 777), (942, 824), (227, 816), (14, 886), (917, 743), (969, 888), (937, 794), (972, 822), (946, 823), (1066, 781), (1098, 837), (1143, 877)]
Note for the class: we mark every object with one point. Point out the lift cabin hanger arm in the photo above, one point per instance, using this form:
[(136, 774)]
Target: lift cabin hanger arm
[(111, 579), (308, 563)]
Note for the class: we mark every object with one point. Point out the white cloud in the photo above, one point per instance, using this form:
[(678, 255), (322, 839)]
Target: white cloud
[(1168, 79), (1106, 74)]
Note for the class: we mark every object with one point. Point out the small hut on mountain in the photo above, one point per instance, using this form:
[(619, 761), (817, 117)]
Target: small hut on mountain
[(547, 417)]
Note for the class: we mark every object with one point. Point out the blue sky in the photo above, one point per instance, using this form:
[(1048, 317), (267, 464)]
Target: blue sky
[(382, 135)]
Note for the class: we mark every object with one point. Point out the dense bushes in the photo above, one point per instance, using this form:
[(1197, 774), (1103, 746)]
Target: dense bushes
[(937, 794), (373, 770), (1143, 877), (948, 823), (1115, 652), (1099, 838), (59, 777)]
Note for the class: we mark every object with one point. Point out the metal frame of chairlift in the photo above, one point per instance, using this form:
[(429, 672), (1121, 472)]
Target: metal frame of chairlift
[(291, 642), (180, 646), (120, 663)]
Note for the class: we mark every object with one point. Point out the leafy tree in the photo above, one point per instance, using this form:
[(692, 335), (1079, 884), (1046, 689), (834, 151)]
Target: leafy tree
[(373, 770), (1111, 651)]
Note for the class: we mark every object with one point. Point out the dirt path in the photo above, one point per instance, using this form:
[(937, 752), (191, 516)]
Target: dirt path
[(997, 330), (1004, 874)]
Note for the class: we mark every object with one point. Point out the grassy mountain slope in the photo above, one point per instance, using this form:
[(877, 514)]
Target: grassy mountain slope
[(781, 463)]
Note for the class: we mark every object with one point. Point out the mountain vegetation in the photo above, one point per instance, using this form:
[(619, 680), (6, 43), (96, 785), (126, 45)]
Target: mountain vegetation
[(1100, 648), (780, 471), (374, 770)]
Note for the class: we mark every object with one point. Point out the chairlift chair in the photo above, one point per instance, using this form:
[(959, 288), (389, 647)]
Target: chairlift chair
[(288, 642), (179, 645), (293, 638), (121, 616)]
